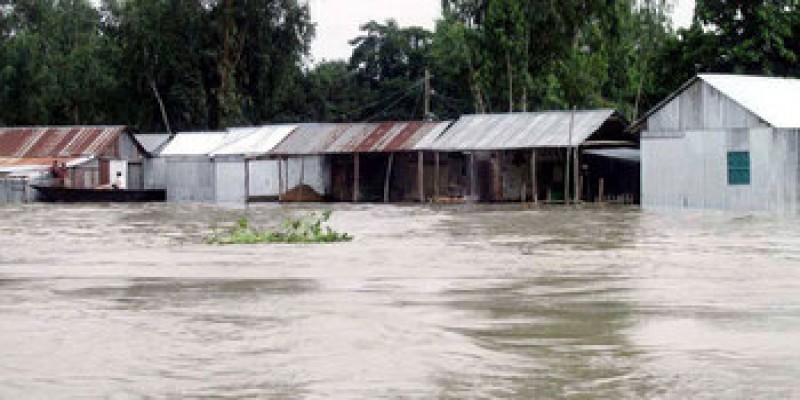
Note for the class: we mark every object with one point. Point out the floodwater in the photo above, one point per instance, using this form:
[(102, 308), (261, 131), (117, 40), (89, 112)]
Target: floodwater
[(117, 301)]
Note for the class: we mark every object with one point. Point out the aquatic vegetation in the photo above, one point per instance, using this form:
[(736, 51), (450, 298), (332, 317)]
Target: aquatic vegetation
[(311, 228)]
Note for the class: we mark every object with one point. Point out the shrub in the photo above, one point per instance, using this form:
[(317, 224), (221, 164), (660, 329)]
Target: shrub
[(311, 228)]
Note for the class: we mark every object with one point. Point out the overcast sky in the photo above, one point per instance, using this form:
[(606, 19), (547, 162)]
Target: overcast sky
[(338, 20)]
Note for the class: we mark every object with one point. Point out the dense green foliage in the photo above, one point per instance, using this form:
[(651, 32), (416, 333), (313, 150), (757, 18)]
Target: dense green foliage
[(311, 228), (211, 64)]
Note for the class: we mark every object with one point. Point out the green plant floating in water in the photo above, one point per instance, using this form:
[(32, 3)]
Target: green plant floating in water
[(311, 228)]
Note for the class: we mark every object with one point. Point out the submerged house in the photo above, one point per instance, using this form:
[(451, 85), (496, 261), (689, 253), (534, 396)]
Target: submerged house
[(190, 173), (92, 155), (551, 156), (725, 142), (154, 167), (359, 162), (239, 176)]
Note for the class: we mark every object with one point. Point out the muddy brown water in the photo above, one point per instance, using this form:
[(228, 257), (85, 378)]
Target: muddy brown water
[(115, 301)]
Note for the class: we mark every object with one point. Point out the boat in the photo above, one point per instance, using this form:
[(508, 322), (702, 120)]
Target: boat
[(79, 195)]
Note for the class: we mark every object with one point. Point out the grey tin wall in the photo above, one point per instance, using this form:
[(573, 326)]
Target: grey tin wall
[(229, 179), (190, 179), (155, 173), (701, 106), (684, 156), (690, 170), (264, 177), (14, 190)]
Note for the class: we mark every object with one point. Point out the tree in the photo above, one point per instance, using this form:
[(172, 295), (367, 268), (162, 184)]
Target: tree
[(755, 37), (58, 66)]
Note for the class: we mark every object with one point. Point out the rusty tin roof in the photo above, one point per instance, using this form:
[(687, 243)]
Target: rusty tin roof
[(58, 142), (381, 137)]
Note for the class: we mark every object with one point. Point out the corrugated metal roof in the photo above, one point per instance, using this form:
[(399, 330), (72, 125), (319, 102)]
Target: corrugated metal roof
[(152, 142), (253, 141), (520, 130), (194, 143), (67, 141), (381, 137), (774, 100)]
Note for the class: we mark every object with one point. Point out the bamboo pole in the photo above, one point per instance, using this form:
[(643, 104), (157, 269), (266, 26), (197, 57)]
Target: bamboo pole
[(566, 177), (246, 181), (577, 174), (386, 182), (602, 190), (472, 184), (436, 178), (567, 185), (286, 175), (534, 182), (356, 178), (280, 179), (421, 176), (302, 170), (497, 179)]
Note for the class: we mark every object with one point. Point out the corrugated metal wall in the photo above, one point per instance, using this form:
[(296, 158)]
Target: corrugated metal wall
[(14, 190), (155, 173), (229, 179), (699, 107), (691, 171), (190, 179), (264, 177), (684, 156)]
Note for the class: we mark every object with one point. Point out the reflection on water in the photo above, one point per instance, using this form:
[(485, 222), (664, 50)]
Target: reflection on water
[(427, 302)]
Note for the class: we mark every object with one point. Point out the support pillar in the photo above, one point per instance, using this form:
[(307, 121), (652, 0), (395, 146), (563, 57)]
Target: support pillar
[(421, 176), (576, 173), (436, 178), (473, 187), (356, 178), (280, 179), (567, 184), (246, 181), (387, 181), (497, 177), (534, 181)]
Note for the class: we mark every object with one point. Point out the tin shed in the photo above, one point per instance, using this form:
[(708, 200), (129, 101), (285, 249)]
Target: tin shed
[(726, 142), (190, 171), (358, 161), (91, 155), (239, 177), (534, 156)]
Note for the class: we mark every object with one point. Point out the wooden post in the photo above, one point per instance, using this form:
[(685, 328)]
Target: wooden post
[(497, 179), (601, 189), (566, 177), (286, 175), (473, 187), (387, 181), (569, 146), (577, 174), (246, 181), (421, 176), (534, 182), (436, 176), (280, 179), (356, 178), (302, 170)]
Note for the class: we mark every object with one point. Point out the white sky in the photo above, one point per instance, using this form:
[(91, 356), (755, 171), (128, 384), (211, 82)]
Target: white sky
[(338, 20)]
